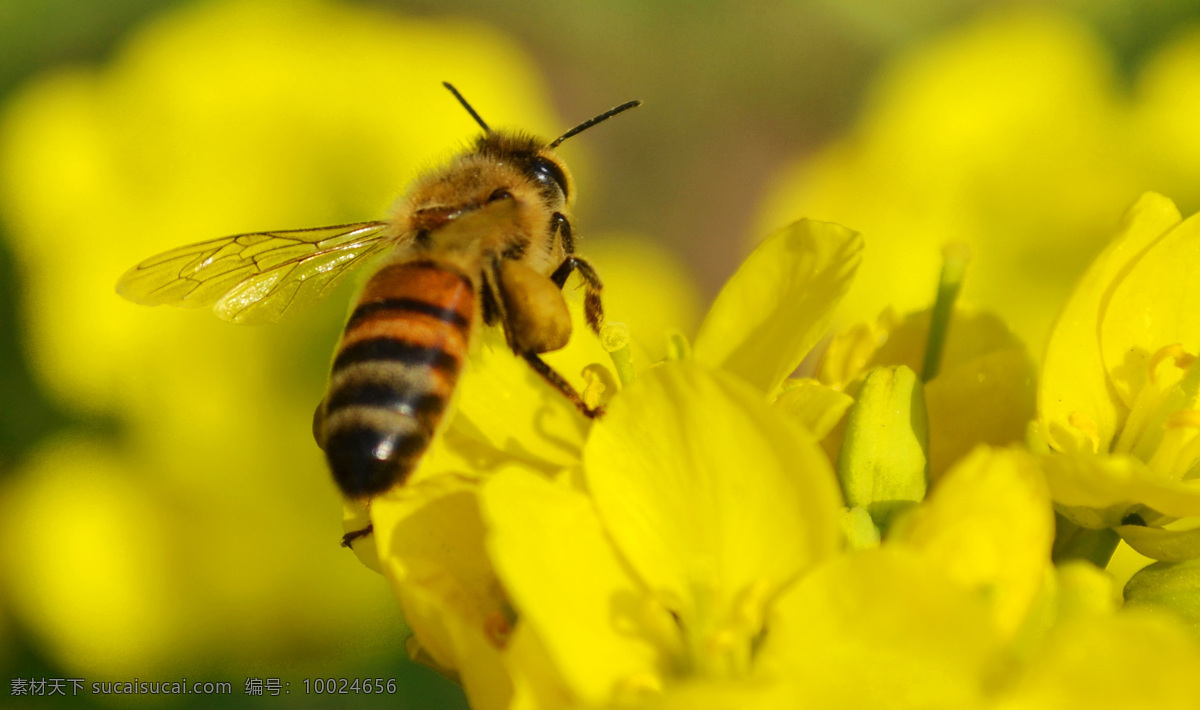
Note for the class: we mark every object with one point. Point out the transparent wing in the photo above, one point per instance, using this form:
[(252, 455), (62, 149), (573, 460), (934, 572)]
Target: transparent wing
[(255, 278)]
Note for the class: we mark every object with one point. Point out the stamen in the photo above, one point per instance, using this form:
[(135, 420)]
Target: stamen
[(614, 338), (1163, 393), (1086, 426), (678, 347), (1144, 404), (1173, 399), (637, 689), (859, 529), (1186, 423), (1176, 352), (955, 258), (1185, 418)]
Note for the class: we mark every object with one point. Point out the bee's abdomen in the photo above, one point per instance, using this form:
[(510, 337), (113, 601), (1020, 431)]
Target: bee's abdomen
[(393, 374)]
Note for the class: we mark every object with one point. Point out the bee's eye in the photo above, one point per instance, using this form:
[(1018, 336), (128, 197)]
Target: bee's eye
[(548, 174), (499, 194)]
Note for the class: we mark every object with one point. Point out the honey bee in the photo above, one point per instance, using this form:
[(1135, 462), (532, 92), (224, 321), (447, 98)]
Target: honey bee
[(487, 238)]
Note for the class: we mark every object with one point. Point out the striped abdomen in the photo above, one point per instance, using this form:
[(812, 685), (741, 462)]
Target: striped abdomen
[(394, 373)]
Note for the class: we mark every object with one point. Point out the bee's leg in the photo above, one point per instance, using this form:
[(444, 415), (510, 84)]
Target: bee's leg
[(559, 223), (592, 308), (350, 537), (491, 283), (490, 306), (560, 383), (492, 300)]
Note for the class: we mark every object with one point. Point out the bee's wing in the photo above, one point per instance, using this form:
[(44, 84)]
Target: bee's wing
[(254, 278)]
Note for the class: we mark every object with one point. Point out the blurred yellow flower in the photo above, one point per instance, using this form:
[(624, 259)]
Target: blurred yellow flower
[(989, 527), (1008, 133), (881, 628), (1121, 660), (218, 118)]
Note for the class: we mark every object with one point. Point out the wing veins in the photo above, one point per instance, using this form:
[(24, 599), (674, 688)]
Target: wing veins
[(245, 270)]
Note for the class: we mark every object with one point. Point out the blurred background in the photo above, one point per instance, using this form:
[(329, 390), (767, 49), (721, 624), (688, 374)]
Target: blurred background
[(163, 510)]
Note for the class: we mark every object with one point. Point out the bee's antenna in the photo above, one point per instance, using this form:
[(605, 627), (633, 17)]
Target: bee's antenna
[(467, 106), (592, 121)]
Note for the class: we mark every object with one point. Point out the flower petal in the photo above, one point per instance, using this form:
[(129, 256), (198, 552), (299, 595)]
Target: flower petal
[(503, 403), (1100, 491), (1122, 660), (988, 525), (430, 539), (817, 407), (988, 401), (883, 628), (536, 681), (779, 303), (1153, 302), (1075, 382), (567, 582), (703, 486)]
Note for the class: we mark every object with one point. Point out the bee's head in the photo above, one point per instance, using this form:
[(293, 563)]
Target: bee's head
[(533, 157)]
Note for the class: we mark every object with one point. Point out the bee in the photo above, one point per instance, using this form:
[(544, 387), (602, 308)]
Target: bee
[(488, 238)]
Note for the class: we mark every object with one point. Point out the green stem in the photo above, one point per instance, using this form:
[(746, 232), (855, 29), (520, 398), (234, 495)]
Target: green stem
[(1072, 542), (954, 268)]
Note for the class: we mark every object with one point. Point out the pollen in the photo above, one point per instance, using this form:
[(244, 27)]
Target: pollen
[(600, 385), (497, 629)]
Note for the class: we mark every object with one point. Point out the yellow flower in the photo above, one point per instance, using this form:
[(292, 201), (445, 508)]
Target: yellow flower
[(704, 504), (961, 608), (782, 297), (1118, 397)]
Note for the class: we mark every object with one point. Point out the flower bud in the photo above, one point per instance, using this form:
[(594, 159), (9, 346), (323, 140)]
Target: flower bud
[(883, 465), (1171, 586)]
